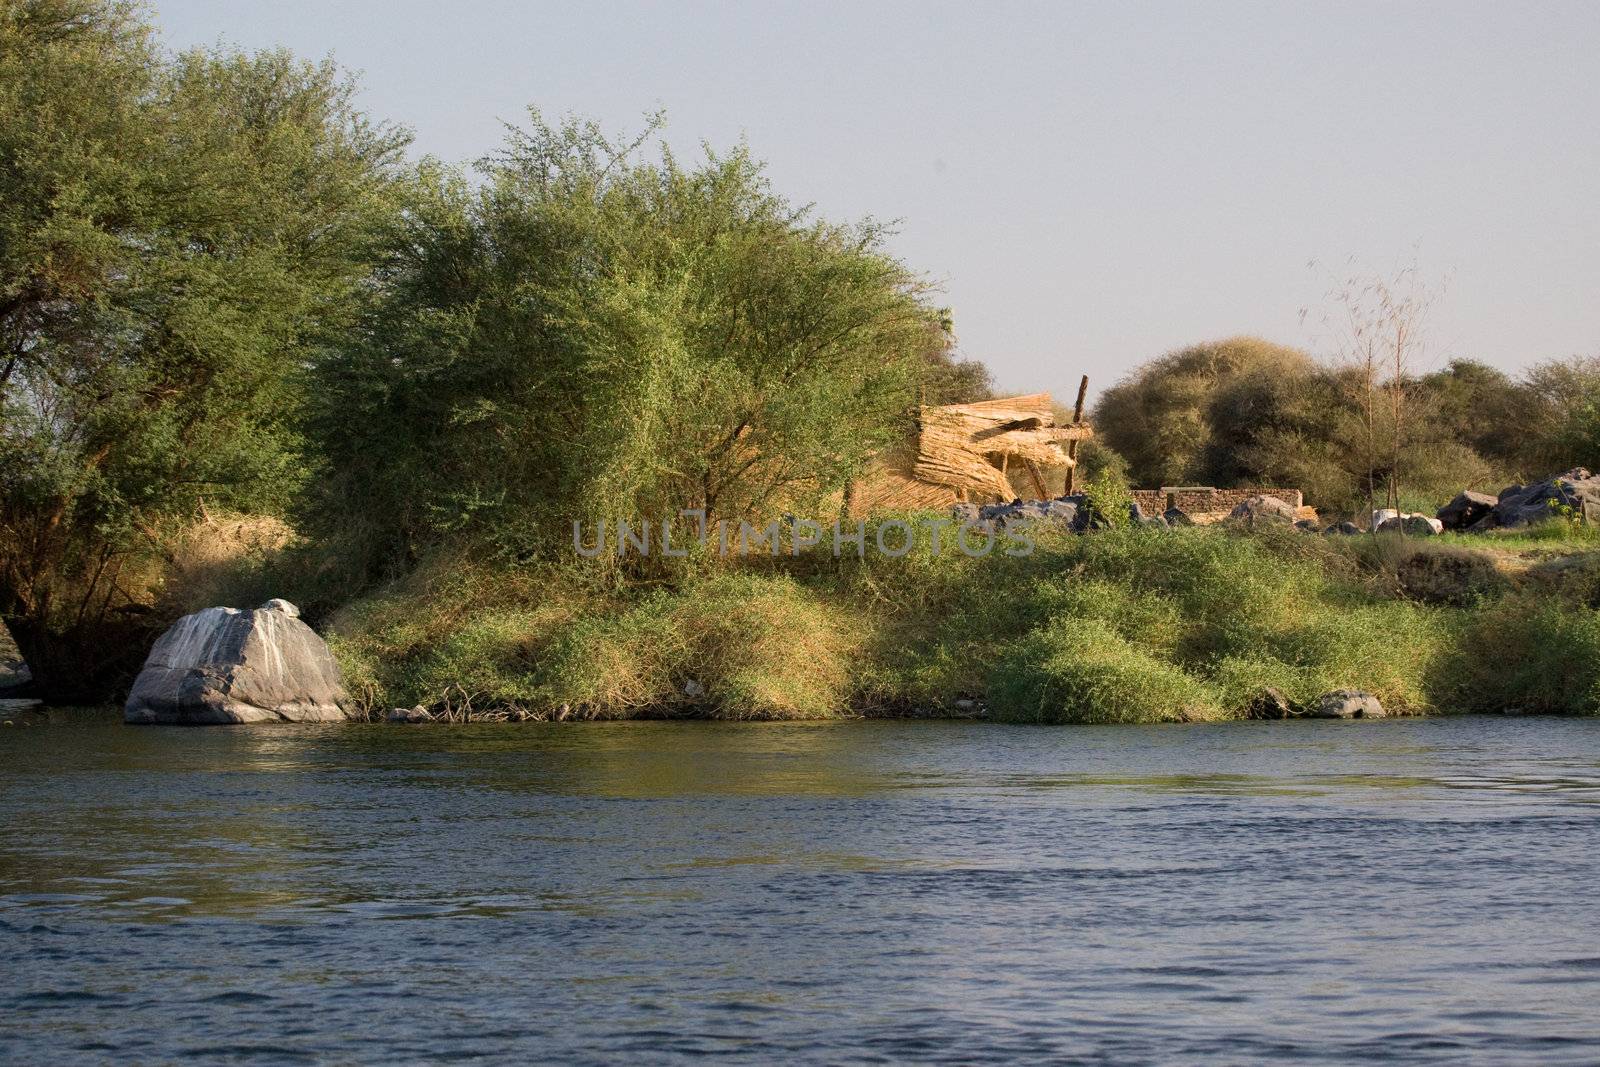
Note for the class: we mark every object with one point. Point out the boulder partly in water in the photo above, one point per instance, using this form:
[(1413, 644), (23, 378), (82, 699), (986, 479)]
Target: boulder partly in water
[(1347, 704), (223, 665)]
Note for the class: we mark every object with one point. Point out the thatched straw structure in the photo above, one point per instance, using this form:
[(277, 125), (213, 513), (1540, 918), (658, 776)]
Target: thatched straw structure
[(965, 452)]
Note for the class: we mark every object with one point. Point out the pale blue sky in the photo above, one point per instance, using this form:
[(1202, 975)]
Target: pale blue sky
[(1092, 184)]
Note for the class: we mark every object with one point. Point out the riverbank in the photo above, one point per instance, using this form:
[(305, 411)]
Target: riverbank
[(1118, 626)]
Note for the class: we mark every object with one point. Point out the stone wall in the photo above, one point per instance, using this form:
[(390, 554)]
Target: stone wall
[(1204, 504)]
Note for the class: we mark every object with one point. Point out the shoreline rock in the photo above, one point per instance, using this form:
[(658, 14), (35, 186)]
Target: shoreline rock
[(222, 666), (1347, 704)]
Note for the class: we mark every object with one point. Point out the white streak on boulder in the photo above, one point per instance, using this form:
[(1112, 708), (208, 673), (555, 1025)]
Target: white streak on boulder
[(223, 665)]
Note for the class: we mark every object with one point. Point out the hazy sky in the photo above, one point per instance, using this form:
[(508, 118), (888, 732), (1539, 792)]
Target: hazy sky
[(1092, 185)]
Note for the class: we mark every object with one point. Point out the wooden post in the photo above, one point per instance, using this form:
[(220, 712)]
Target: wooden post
[(1072, 446), (1038, 479)]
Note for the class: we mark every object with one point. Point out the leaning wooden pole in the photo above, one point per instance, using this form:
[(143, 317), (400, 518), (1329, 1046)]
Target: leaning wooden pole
[(1072, 446)]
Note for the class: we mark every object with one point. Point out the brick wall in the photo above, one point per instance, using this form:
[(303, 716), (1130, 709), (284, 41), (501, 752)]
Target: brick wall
[(1202, 502)]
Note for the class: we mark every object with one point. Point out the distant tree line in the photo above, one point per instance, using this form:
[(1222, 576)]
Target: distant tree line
[(1245, 412)]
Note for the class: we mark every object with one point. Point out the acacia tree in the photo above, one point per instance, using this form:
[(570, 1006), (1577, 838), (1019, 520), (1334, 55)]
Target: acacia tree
[(592, 335), (1383, 321), (175, 232)]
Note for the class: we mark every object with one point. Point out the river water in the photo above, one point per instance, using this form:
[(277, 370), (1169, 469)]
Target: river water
[(1413, 891)]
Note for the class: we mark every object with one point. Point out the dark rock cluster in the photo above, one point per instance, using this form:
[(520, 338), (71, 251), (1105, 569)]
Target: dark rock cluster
[(1573, 495), (1076, 512)]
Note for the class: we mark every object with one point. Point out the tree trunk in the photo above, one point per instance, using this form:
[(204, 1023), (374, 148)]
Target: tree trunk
[(89, 663)]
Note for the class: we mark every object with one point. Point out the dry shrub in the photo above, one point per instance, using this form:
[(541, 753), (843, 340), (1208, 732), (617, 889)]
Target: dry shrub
[(220, 561), (1427, 571)]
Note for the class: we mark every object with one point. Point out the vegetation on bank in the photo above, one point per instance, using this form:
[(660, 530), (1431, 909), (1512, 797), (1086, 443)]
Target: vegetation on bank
[(1119, 626), (224, 292)]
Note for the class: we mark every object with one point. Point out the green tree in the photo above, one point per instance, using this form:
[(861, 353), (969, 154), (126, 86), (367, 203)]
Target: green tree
[(1558, 418), (948, 377), (176, 233), (593, 336)]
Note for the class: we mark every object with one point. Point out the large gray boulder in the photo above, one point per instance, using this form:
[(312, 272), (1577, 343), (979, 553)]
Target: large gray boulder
[(223, 665), (1347, 704), (1260, 511), (1412, 524)]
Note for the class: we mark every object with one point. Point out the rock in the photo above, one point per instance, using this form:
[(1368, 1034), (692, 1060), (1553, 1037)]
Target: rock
[(1575, 493), (1341, 529), (1260, 511), (1135, 513), (1347, 704), (1061, 511), (1085, 518), (1466, 509), (223, 665), (1307, 526), (693, 689), (1270, 703), (1154, 522), (416, 714), (1177, 517), (1381, 516), (1412, 525), (965, 704)]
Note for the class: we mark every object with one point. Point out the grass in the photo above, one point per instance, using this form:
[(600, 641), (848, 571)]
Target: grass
[(1128, 625), (463, 638), (1554, 536)]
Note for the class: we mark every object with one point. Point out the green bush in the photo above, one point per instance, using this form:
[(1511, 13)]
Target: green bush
[(1083, 671), (1235, 613), (1530, 654), (730, 645), (591, 334), (1120, 626)]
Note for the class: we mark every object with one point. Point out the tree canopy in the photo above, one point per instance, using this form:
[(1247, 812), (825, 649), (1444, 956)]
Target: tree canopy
[(176, 234), (592, 335), (1246, 412)]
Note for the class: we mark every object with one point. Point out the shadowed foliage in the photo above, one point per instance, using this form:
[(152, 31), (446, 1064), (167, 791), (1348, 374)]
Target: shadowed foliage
[(176, 235)]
